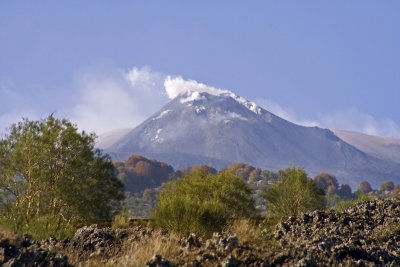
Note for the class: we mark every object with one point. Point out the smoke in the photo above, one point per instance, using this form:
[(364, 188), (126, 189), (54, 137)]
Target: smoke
[(354, 120), (175, 86), (286, 113), (117, 100), (104, 100), (349, 119)]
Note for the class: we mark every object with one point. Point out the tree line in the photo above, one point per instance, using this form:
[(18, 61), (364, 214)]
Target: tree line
[(52, 180)]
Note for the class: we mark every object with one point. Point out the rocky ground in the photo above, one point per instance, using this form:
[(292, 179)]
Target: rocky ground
[(365, 235)]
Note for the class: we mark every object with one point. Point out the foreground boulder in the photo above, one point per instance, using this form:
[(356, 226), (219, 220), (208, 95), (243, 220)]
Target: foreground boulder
[(24, 251)]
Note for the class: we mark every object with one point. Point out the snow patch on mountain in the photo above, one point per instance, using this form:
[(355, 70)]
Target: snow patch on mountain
[(157, 137), (162, 114), (248, 104), (200, 109), (226, 117), (190, 90)]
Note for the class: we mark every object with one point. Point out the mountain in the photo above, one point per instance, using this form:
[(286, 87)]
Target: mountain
[(381, 147), (221, 128), (109, 138)]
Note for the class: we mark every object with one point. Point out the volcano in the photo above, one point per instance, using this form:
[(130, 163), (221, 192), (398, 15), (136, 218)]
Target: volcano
[(222, 128)]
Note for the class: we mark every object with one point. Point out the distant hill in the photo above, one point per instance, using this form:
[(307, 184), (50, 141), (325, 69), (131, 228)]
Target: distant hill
[(381, 147), (219, 129)]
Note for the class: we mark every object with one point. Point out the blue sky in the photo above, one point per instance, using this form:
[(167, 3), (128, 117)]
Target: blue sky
[(327, 63)]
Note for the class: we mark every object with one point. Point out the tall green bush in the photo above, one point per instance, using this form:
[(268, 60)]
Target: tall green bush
[(202, 203), (292, 194)]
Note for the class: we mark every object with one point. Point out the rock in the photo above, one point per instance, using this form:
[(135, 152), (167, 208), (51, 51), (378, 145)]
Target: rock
[(359, 234), (230, 262), (158, 261)]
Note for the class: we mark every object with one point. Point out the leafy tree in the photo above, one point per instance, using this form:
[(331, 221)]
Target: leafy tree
[(249, 173), (196, 168), (387, 185), (292, 194), (364, 187), (345, 192), (139, 173), (327, 182), (202, 203), (52, 178), (396, 191)]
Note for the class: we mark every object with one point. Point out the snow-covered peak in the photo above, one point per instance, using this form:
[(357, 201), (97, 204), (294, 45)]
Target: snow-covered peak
[(191, 90), (248, 104)]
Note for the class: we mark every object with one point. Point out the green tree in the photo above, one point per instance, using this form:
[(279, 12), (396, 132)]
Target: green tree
[(52, 178), (202, 203), (292, 194)]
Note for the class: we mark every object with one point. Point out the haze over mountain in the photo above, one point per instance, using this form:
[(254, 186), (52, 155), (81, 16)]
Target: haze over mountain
[(217, 127)]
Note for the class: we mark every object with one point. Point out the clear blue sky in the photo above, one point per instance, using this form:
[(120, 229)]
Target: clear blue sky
[(333, 62)]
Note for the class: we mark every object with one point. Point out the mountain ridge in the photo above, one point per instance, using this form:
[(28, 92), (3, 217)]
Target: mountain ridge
[(199, 127)]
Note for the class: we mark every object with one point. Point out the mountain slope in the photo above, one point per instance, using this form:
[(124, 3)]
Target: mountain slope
[(219, 129), (380, 147)]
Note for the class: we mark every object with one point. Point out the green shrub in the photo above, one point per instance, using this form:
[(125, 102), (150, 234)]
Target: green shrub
[(343, 205), (292, 194), (202, 203)]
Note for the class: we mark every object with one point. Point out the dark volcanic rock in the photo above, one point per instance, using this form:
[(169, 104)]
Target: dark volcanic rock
[(365, 235), (27, 252), (361, 235)]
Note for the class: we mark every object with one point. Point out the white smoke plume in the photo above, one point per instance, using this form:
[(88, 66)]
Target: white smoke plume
[(175, 86)]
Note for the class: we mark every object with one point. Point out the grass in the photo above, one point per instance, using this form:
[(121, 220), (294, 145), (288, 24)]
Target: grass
[(120, 221), (157, 244), (246, 230)]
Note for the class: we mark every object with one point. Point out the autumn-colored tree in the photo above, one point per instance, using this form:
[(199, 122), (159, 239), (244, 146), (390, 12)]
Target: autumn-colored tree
[(327, 182), (196, 168), (249, 173), (364, 187), (139, 173)]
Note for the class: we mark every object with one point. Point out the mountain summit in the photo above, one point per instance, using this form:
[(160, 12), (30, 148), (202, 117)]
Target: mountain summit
[(219, 128)]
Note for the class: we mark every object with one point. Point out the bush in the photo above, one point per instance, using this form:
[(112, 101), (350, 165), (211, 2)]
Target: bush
[(292, 194), (202, 203), (343, 205)]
